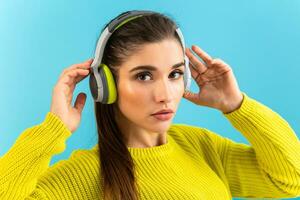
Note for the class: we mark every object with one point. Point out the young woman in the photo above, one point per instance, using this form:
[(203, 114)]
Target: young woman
[(140, 153)]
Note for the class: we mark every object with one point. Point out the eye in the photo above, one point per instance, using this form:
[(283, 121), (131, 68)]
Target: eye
[(146, 76), (141, 76), (178, 72)]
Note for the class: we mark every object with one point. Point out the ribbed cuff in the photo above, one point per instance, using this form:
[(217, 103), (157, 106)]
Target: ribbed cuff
[(55, 133), (244, 110), (44, 139), (53, 119)]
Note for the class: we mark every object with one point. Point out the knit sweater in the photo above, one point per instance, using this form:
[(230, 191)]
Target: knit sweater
[(195, 163)]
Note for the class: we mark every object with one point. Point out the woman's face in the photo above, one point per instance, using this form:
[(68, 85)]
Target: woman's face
[(144, 91)]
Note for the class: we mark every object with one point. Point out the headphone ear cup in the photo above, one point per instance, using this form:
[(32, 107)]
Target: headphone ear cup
[(187, 74), (93, 86), (105, 91), (109, 86)]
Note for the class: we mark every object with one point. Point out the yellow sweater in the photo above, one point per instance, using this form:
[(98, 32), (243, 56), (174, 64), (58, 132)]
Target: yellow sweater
[(195, 163)]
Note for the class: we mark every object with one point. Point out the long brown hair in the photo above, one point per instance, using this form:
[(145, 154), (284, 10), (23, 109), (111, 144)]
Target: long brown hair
[(117, 170)]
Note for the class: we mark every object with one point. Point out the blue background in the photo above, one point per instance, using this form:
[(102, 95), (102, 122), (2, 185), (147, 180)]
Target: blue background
[(260, 40)]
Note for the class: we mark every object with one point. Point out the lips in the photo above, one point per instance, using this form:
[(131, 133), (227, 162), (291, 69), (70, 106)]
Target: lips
[(163, 117), (163, 111)]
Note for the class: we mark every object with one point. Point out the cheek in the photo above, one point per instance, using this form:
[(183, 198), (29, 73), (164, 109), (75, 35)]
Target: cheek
[(177, 90), (131, 98)]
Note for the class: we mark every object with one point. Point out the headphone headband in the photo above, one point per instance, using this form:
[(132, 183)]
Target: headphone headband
[(127, 16), (114, 25)]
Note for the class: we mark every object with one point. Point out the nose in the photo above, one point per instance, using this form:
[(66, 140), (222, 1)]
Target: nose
[(163, 91)]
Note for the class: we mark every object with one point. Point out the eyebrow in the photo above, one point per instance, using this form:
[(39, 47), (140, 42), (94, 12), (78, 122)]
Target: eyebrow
[(152, 68)]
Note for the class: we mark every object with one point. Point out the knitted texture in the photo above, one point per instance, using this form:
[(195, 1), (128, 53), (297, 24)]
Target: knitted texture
[(195, 163)]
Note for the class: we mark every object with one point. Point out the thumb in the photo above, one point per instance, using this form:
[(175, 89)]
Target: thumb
[(193, 97), (80, 101)]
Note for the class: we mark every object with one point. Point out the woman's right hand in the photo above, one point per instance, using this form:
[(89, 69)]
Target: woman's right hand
[(62, 94)]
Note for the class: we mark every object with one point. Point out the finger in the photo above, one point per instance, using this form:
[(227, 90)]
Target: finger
[(74, 76), (80, 78), (200, 67), (219, 62), (84, 65), (202, 54), (193, 70), (80, 101), (80, 75), (70, 80), (199, 78), (193, 97), (218, 67), (77, 72)]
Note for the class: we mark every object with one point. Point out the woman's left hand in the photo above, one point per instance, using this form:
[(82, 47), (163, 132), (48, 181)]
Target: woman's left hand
[(215, 78)]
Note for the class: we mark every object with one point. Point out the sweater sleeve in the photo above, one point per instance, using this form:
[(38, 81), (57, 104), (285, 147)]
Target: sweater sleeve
[(270, 167), (30, 156)]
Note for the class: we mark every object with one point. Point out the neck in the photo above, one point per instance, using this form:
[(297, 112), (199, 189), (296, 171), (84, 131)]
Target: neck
[(138, 137)]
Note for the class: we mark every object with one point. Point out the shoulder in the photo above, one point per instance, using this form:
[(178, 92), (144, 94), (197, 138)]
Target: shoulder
[(80, 159), (198, 137), (79, 172)]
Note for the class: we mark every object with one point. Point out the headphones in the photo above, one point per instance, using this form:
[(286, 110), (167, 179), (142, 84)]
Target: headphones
[(102, 84)]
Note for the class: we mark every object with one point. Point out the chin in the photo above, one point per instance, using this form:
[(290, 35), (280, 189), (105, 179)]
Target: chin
[(160, 127)]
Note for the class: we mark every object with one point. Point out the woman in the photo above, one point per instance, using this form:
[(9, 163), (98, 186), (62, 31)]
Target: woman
[(142, 155)]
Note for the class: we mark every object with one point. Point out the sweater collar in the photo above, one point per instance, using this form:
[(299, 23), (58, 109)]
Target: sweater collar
[(155, 151)]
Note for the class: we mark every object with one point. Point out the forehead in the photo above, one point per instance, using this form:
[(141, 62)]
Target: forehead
[(160, 54)]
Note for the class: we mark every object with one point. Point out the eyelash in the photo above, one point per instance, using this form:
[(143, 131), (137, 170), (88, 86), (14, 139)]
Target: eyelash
[(148, 73)]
